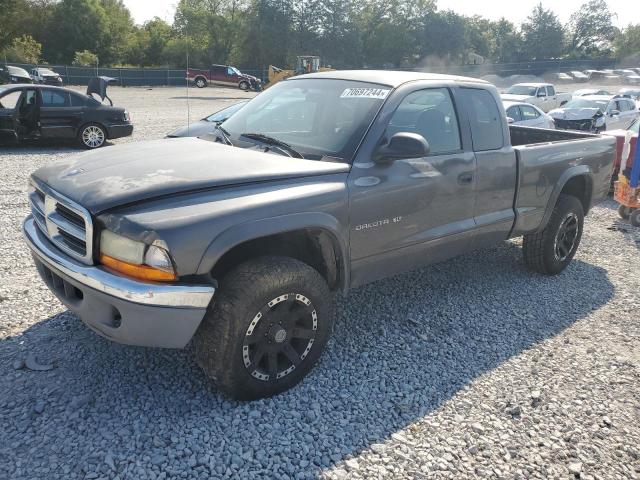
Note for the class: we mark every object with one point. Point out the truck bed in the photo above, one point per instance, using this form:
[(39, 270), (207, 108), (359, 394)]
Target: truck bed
[(546, 159)]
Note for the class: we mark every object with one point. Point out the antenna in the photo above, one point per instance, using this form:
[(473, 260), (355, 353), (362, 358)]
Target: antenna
[(187, 77)]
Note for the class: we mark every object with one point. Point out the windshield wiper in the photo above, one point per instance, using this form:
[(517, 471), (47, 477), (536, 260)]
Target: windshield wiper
[(292, 152), (223, 134)]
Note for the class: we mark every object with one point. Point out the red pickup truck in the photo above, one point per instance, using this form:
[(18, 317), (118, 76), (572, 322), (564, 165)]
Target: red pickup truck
[(224, 75)]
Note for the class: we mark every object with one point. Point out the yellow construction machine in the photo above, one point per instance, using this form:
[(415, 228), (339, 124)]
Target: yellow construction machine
[(304, 64)]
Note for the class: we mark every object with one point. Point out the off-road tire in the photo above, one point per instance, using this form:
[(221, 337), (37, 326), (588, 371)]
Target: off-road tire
[(243, 293), (634, 217), (539, 249)]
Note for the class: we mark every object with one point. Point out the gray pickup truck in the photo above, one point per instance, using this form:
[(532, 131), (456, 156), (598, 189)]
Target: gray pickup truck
[(320, 184)]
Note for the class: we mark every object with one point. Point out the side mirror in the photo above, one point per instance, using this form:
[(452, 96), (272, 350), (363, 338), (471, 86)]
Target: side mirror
[(615, 112), (402, 145), (510, 120)]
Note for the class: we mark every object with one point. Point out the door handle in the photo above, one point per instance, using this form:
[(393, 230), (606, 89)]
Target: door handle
[(465, 178)]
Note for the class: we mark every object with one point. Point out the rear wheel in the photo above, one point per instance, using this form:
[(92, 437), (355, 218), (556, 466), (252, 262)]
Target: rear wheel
[(552, 249), (92, 136), (201, 82), (624, 212), (271, 320), (634, 217)]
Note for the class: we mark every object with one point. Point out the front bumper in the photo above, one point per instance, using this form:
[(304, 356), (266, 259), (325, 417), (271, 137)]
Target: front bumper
[(118, 308), (118, 131)]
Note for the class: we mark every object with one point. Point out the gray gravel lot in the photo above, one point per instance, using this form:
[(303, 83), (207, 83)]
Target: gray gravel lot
[(473, 368)]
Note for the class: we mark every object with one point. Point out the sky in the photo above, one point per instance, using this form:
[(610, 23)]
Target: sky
[(514, 10)]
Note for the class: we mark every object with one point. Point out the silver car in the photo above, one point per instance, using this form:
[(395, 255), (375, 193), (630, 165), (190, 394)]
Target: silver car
[(521, 113)]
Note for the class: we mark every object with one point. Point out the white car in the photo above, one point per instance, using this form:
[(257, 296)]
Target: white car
[(596, 113), (579, 76), (542, 95), (590, 91), (525, 114)]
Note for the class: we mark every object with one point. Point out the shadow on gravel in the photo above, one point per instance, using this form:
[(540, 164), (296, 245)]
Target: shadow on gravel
[(42, 147), (401, 348)]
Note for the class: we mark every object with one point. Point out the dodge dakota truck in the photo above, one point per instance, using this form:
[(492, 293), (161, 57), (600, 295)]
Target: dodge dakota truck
[(323, 183)]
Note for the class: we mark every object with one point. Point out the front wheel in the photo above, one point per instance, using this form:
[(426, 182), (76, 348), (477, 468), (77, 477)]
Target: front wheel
[(244, 86), (624, 212), (552, 249), (271, 320), (92, 136), (634, 217)]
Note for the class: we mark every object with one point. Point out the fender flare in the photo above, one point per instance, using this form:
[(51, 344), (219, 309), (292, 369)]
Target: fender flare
[(573, 172), (252, 230)]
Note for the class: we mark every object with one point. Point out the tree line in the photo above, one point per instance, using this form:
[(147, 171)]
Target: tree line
[(345, 33)]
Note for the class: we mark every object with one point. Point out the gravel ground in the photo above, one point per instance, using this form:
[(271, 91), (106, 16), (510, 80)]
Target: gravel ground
[(473, 368)]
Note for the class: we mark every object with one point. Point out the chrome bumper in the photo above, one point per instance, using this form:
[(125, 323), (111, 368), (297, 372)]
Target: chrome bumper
[(119, 308)]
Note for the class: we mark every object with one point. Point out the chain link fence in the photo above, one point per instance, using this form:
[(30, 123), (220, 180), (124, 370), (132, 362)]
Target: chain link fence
[(150, 77)]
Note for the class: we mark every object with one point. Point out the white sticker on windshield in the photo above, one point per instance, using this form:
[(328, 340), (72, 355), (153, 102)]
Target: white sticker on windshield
[(378, 93)]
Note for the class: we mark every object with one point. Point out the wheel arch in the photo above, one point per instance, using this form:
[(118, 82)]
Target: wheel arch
[(313, 238), (577, 182)]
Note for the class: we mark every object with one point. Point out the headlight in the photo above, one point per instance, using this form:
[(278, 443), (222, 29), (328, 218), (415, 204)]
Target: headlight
[(125, 116), (135, 259)]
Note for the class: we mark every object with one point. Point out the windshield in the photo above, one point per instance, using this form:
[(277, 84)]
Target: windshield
[(46, 71), (225, 113), (318, 117), (236, 71), (522, 90), (17, 71), (584, 103)]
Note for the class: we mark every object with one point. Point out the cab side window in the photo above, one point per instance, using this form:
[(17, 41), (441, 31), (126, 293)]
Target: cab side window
[(485, 119), (542, 92), (230, 71), (551, 91), (77, 101), (51, 98), (430, 113)]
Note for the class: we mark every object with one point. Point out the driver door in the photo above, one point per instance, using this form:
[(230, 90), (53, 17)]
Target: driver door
[(9, 105), (412, 212)]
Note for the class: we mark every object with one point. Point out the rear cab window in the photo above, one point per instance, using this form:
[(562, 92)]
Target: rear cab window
[(484, 118)]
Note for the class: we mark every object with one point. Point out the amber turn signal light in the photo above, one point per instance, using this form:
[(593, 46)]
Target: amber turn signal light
[(142, 272)]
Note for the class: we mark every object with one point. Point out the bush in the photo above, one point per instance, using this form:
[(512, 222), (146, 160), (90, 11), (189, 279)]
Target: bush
[(22, 49), (85, 58)]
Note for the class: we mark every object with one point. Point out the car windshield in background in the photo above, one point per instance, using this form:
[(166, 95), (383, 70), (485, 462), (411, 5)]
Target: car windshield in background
[(635, 126), (17, 71), (319, 118), (522, 90), (46, 71), (583, 103), (225, 113)]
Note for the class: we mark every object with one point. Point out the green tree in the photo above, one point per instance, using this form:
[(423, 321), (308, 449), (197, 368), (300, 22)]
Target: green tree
[(85, 58), (22, 49), (591, 30), (543, 35), (627, 44), (505, 42)]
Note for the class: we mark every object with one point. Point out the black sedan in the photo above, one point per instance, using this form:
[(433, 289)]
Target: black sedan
[(11, 74), (34, 112), (207, 124)]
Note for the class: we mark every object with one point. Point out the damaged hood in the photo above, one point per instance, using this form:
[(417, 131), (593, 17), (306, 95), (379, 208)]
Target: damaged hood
[(113, 176), (574, 113)]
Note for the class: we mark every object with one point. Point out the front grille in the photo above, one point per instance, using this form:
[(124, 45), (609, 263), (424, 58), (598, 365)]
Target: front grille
[(582, 125), (63, 221)]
